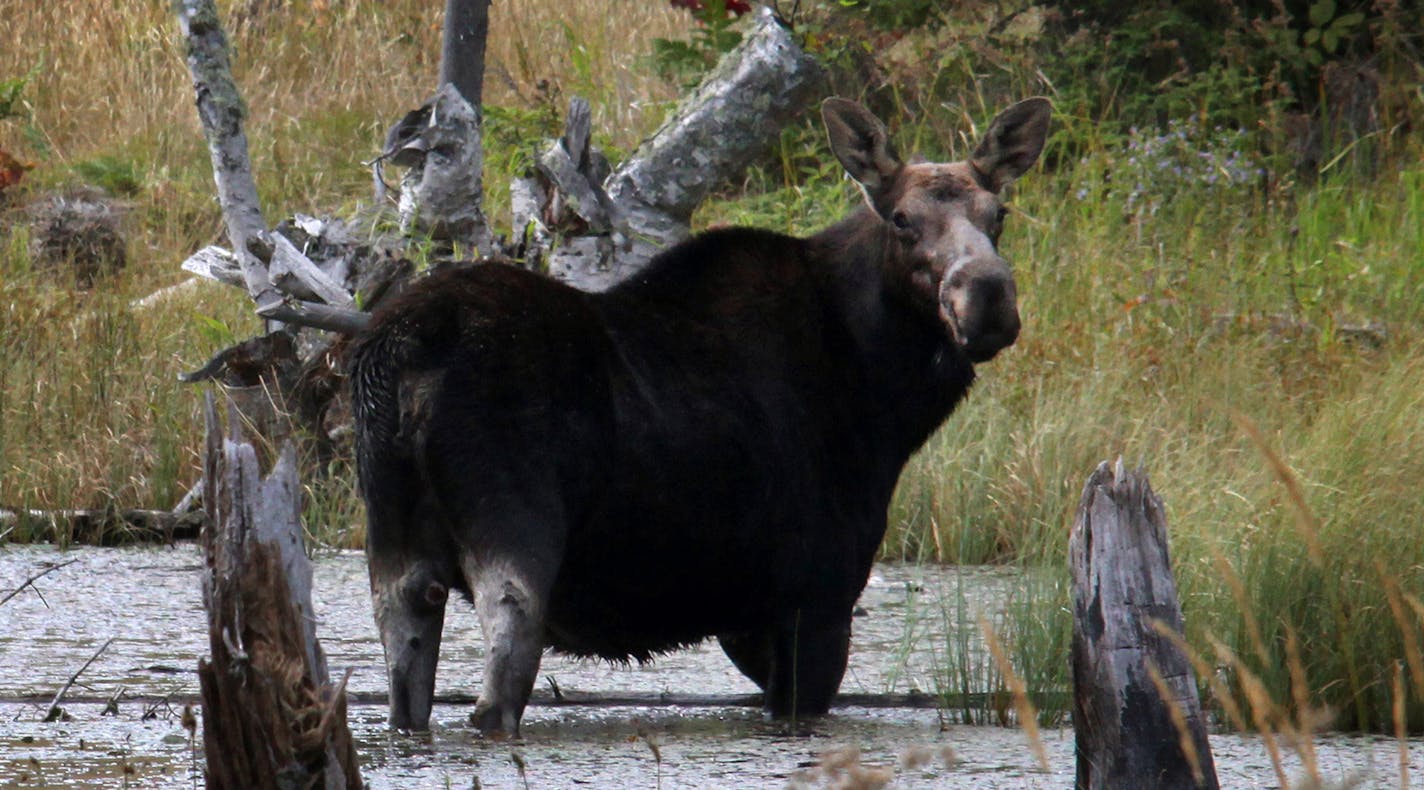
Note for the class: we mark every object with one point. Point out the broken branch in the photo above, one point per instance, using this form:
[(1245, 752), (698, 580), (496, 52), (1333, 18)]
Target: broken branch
[(35, 578), (53, 712)]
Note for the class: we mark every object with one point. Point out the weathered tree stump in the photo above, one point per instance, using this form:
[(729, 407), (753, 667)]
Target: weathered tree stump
[(271, 716), (1136, 716)]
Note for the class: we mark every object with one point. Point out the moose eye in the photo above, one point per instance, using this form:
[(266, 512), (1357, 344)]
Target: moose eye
[(900, 221)]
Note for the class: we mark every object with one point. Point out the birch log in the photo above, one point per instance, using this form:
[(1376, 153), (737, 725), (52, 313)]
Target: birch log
[(221, 109), (271, 716), (1131, 729), (731, 119)]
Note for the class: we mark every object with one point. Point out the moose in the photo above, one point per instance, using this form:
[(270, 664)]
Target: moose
[(707, 449)]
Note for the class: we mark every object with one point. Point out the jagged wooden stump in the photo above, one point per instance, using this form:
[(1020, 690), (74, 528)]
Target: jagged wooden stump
[(1131, 729), (271, 716)]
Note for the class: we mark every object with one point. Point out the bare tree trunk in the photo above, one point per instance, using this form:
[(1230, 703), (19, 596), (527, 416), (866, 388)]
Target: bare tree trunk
[(1137, 719), (271, 717), (221, 109), (462, 54)]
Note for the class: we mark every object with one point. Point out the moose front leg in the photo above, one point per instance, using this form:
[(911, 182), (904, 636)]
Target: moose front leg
[(808, 659)]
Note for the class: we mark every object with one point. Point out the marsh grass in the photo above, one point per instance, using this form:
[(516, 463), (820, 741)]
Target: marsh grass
[(1155, 329), (1216, 342), (91, 414)]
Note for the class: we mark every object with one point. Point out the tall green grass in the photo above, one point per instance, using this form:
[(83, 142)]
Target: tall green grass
[(1290, 312)]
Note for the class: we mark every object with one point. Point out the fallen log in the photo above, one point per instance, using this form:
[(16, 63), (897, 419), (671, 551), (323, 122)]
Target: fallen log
[(271, 716), (609, 225), (1137, 719), (108, 526)]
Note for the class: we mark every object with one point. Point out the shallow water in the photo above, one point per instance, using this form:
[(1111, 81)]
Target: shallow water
[(147, 600)]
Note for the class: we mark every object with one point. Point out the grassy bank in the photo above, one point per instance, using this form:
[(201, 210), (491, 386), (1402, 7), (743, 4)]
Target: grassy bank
[(1252, 338)]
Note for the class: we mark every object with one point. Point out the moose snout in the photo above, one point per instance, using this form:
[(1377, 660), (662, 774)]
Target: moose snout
[(979, 302)]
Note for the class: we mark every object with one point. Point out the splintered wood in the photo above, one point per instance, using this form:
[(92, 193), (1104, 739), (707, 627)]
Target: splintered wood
[(271, 716)]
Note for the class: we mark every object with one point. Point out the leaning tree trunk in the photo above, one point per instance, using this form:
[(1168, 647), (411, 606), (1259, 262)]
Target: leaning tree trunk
[(222, 112), (1137, 719), (607, 226)]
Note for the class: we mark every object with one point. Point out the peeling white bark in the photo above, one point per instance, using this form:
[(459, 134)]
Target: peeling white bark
[(442, 191), (647, 203)]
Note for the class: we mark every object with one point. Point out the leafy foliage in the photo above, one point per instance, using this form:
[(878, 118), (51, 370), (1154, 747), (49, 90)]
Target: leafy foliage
[(712, 36), (114, 174)]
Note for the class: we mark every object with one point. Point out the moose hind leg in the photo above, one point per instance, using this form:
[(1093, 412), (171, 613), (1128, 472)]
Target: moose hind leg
[(511, 599), (808, 661)]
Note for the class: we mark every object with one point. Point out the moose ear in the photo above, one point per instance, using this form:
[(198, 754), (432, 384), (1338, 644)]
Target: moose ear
[(860, 142), (1013, 142)]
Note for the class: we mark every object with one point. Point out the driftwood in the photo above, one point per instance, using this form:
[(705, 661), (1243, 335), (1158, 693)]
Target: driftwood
[(1137, 719), (271, 716), (108, 526), (610, 225)]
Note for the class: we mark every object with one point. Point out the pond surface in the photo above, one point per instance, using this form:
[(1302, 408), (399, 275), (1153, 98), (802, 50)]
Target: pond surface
[(686, 721)]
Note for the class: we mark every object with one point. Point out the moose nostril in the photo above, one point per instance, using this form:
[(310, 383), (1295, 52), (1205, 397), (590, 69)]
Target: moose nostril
[(990, 291)]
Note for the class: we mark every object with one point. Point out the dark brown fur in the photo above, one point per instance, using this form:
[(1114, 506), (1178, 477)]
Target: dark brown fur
[(706, 450)]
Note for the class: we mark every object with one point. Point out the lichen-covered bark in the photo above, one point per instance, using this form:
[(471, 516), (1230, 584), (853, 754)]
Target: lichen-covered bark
[(1122, 582), (725, 124), (221, 110)]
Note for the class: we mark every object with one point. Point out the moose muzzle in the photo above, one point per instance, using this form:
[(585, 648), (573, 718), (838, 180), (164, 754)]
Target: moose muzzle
[(978, 301)]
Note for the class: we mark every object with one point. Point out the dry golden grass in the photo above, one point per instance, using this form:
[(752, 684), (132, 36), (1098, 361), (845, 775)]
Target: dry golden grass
[(114, 72), (90, 411)]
